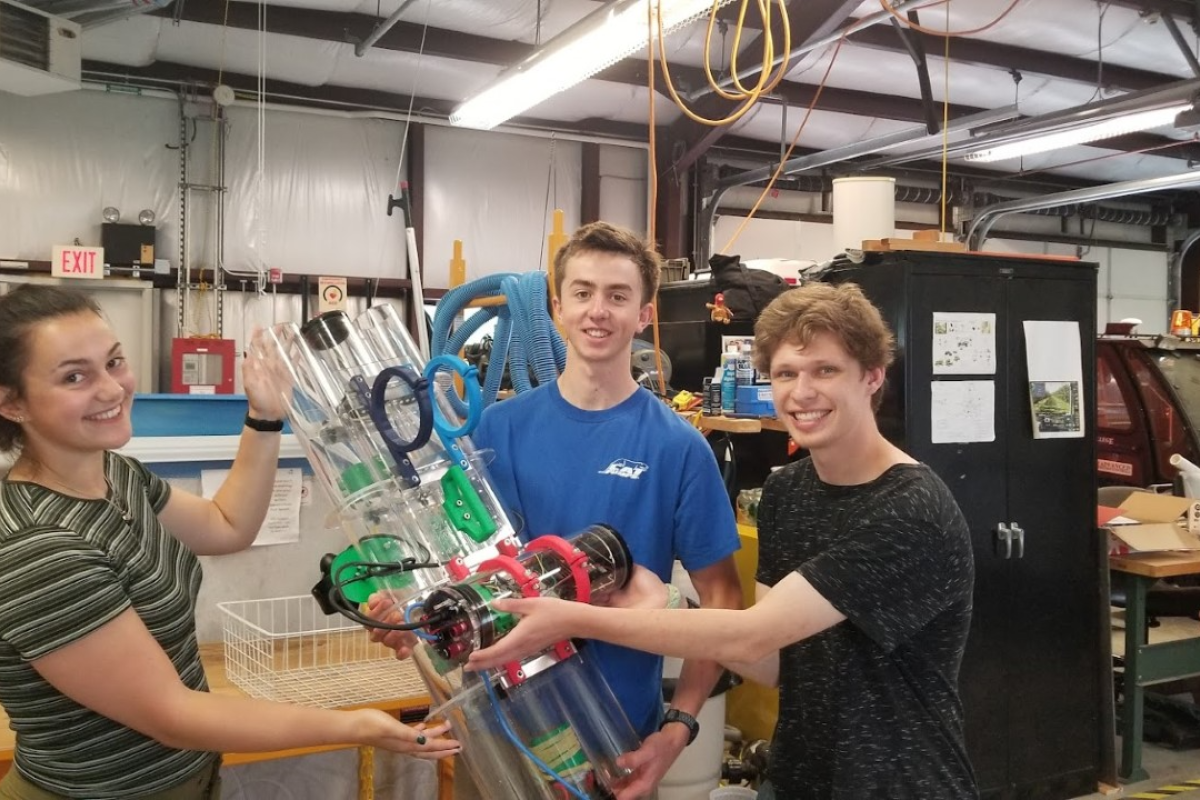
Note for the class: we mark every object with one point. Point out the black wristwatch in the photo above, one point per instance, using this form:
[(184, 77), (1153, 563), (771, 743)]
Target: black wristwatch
[(675, 715), (264, 425)]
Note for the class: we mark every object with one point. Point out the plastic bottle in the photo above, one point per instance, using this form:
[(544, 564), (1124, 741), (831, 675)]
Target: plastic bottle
[(729, 383), (745, 366), (1189, 475)]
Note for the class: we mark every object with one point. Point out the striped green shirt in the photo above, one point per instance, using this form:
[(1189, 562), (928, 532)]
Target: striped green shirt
[(68, 567)]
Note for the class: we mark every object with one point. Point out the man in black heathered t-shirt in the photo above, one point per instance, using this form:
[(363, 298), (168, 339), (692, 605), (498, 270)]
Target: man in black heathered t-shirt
[(865, 573)]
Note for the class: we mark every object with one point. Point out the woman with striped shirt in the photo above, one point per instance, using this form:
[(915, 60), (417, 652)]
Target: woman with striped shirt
[(99, 666)]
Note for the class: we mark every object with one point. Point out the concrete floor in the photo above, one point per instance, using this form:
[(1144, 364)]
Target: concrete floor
[(1166, 767)]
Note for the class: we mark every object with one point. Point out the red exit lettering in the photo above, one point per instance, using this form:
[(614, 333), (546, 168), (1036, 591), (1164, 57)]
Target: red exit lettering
[(78, 262)]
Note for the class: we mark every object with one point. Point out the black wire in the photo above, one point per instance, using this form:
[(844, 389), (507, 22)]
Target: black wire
[(371, 569), (366, 570), (347, 609)]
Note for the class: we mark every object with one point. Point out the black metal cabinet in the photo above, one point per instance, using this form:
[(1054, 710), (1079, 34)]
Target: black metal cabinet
[(1031, 677)]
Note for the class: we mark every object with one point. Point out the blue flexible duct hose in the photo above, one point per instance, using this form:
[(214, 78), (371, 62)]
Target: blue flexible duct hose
[(525, 336), (530, 310), (500, 344), (453, 304), (465, 331), (518, 361)]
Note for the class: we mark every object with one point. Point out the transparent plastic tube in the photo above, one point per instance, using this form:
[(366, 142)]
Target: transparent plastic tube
[(413, 498)]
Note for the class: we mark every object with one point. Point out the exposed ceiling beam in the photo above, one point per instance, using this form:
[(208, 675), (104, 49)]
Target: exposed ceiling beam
[(1186, 149), (1181, 9), (916, 50), (846, 101), (406, 37), (982, 179), (1004, 56), (172, 75), (808, 19), (336, 26)]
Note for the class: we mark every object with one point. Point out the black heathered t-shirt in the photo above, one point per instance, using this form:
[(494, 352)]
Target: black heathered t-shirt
[(869, 709)]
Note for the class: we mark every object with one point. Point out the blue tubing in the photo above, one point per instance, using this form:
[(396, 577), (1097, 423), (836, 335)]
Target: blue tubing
[(525, 339), (455, 301), (429, 637), (516, 740)]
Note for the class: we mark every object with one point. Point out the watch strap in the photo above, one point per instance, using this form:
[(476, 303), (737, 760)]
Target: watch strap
[(264, 425), (675, 715)]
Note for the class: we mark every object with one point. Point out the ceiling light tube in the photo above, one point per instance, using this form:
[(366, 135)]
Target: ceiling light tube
[(596, 42), (1083, 134)]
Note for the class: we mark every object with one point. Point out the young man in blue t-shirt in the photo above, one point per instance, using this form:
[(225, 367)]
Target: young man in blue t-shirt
[(593, 447), (865, 573)]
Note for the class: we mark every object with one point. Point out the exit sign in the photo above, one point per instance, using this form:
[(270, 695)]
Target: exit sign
[(78, 262)]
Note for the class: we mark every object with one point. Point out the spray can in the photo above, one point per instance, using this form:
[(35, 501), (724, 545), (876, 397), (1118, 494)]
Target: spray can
[(729, 384), (745, 367), (706, 396)]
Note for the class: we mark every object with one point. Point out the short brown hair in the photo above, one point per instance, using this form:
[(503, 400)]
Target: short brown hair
[(798, 315), (604, 237)]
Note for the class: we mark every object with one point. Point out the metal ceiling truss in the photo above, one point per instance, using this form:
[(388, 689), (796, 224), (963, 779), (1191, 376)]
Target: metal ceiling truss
[(171, 76), (916, 49), (1006, 132), (1009, 57), (1187, 10), (818, 19)]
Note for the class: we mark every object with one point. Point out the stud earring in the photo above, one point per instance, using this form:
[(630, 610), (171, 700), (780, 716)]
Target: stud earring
[(19, 420)]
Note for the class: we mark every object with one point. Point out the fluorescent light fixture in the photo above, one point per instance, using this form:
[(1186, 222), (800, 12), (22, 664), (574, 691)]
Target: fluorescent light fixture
[(596, 42), (1082, 134)]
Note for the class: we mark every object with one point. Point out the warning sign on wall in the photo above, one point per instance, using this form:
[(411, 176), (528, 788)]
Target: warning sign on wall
[(332, 293)]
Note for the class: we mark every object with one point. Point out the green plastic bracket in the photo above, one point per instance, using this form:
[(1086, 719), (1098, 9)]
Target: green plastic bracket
[(380, 550), (463, 507)]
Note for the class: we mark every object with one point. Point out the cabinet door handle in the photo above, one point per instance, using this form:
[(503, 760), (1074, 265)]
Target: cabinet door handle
[(1018, 533), (1004, 535)]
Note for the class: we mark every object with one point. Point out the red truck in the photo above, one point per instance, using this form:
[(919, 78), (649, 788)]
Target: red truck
[(1147, 407)]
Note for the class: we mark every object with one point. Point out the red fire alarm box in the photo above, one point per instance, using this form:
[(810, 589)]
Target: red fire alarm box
[(202, 366)]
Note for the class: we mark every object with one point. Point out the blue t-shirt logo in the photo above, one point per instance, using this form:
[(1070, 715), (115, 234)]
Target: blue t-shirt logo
[(624, 468)]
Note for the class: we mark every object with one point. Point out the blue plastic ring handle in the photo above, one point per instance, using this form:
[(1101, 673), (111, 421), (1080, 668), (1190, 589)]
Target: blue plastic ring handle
[(379, 413), (471, 389)]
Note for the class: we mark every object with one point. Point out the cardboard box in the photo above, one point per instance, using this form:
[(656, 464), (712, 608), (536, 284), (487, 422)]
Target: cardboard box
[(1163, 523)]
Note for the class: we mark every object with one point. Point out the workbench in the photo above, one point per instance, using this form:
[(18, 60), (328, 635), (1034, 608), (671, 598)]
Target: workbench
[(1147, 664)]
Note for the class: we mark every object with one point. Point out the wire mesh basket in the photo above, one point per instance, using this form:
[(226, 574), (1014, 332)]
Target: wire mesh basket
[(287, 649)]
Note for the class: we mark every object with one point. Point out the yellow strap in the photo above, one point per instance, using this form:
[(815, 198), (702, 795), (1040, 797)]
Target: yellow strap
[(366, 773)]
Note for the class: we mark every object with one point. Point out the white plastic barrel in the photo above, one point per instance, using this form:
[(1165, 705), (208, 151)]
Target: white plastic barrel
[(863, 208), (698, 769), (732, 793)]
